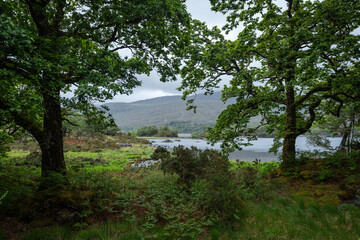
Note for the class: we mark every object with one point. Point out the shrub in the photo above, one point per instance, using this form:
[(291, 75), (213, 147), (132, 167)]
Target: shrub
[(223, 194), (192, 163), (165, 131), (150, 131), (186, 163), (160, 153), (147, 131), (208, 171)]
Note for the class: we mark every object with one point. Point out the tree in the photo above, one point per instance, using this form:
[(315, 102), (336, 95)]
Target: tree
[(8, 133), (165, 131), (344, 125), (89, 125), (151, 131), (288, 63), (147, 131), (49, 47)]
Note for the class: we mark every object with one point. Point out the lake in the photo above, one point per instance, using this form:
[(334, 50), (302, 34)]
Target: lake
[(259, 149)]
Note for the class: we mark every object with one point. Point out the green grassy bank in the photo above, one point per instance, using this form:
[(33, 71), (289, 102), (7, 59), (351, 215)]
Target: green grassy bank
[(107, 196)]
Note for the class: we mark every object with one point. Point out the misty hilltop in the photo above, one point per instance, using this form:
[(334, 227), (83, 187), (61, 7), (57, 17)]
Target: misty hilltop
[(169, 110)]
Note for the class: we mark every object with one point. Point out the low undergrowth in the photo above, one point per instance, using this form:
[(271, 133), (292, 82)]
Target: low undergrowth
[(327, 178), (106, 197), (82, 144)]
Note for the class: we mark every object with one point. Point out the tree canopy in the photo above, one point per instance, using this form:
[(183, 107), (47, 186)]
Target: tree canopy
[(291, 63), (95, 48)]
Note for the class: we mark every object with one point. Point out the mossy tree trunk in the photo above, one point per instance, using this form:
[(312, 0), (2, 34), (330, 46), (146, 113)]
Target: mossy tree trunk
[(52, 144)]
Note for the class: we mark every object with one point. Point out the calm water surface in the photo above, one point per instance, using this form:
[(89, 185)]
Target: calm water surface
[(259, 149)]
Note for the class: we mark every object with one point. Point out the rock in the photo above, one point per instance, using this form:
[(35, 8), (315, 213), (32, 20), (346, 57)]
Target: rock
[(124, 144)]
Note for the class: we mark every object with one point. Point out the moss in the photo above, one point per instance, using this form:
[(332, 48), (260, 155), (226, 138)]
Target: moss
[(348, 190), (308, 174), (323, 194), (59, 206)]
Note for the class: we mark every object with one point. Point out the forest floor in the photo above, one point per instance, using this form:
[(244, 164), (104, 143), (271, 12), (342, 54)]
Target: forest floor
[(112, 192)]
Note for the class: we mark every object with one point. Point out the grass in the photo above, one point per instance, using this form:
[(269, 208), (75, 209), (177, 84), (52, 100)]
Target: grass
[(109, 160), (107, 198), (279, 219), (296, 220)]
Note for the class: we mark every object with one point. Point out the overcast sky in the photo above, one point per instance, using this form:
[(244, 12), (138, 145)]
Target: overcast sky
[(151, 85)]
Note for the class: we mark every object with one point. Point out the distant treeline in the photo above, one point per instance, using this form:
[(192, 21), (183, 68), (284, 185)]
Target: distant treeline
[(153, 131), (189, 127)]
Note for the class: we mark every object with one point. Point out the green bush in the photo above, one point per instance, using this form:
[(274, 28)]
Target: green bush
[(147, 131), (165, 131), (191, 164), (223, 195), (160, 153), (20, 186), (153, 131), (186, 163), (207, 176)]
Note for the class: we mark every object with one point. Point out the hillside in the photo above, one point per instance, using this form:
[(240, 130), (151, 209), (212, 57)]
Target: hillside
[(169, 110)]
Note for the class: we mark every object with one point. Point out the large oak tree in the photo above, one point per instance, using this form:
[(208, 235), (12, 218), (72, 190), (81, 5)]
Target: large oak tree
[(292, 61), (54, 46)]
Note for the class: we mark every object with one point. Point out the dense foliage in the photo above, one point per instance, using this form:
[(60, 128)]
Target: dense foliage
[(296, 66), (160, 153), (79, 125), (110, 195), (211, 169), (291, 63), (188, 127), (153, 131), (346, 125), (53, 47)]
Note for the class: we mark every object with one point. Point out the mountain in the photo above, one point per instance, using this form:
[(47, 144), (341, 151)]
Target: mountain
[(169, 110)]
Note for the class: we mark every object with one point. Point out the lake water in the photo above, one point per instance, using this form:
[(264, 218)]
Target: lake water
[(259, 149)]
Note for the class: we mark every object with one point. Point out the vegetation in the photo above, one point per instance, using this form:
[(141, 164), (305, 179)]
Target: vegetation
[(153, 131), (295, 66), (48, 47), (291, 65), (188, 127), (201, 134), (111, 194), (346, 125), (160, 153), (79, 125)]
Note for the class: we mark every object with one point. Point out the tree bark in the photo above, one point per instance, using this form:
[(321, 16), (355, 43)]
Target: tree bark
[(52, 144), (344, 139), (289, 151)]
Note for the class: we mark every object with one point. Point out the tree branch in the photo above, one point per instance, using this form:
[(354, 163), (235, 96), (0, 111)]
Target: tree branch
[(310, 121), (311, 92), (28, 124), (71, 123)]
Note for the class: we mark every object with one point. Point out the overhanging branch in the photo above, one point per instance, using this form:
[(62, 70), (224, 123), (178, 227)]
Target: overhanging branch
[(28, 124)]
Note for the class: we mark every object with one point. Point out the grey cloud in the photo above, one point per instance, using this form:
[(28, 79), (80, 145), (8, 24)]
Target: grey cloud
[(201, 10)]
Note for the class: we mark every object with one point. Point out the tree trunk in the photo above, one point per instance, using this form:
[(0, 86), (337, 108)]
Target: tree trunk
[(52, 144), (289, 152), (344, 139)]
